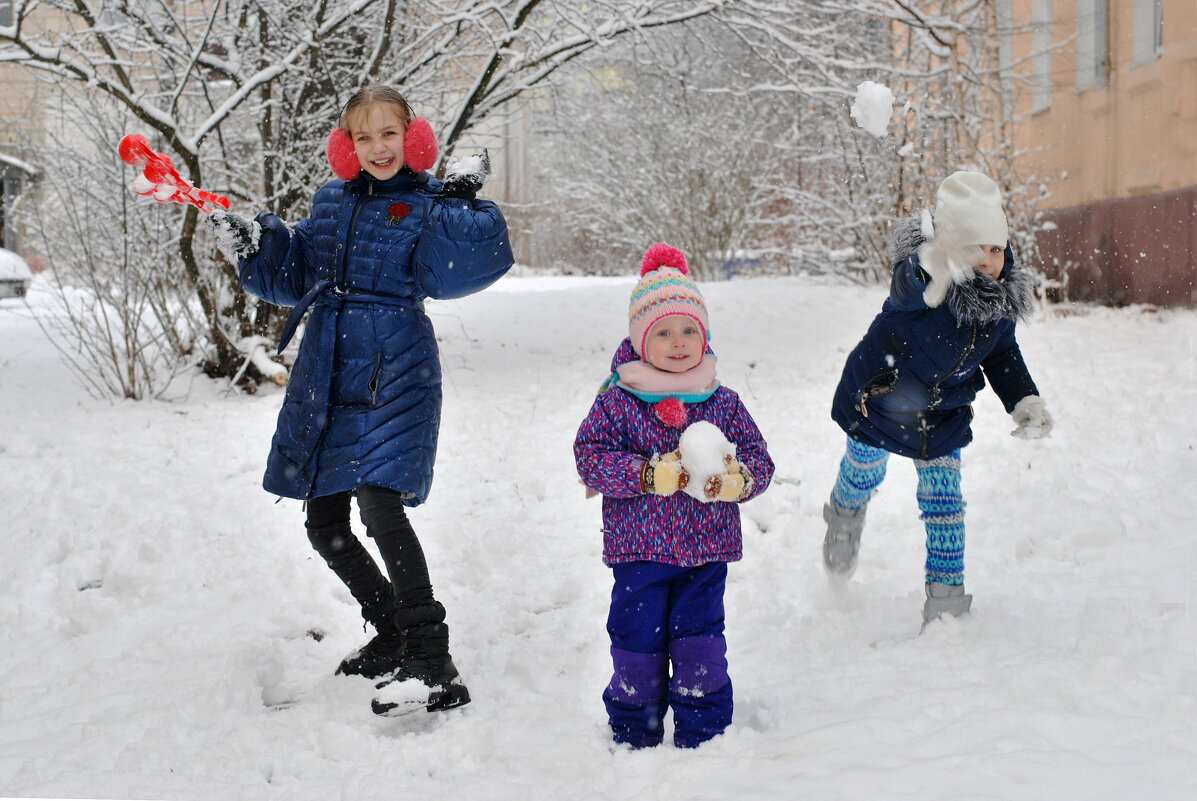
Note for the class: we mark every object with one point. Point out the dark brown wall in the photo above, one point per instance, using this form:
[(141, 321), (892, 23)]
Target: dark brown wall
[(1135, 250)]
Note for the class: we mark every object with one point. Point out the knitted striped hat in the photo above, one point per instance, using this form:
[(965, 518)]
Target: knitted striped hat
[(665, 288)]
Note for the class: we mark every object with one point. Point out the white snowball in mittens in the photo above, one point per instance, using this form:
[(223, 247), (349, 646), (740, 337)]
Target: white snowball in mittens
[(705, 452)]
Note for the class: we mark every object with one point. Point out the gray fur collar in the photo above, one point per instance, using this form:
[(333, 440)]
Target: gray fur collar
[(982, 300)]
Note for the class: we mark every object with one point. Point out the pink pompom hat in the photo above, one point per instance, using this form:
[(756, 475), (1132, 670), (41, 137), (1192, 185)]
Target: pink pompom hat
[(665, 287)]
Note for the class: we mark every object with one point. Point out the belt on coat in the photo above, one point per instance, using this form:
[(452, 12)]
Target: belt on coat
[(325, 294)]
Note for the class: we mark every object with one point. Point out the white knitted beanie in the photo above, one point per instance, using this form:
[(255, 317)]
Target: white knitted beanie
[(969, 206)]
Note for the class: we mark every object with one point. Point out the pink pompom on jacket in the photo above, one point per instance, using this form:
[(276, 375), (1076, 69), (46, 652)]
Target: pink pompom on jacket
[(620, 434)]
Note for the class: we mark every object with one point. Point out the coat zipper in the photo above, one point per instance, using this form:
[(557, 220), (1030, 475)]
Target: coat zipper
[(374, 379), (924, 430), (339, 285)]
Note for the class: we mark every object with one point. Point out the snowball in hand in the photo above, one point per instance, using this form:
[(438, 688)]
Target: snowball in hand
[(470, 165), (234, 233), (705, 452), (873, 107), (476, 167)]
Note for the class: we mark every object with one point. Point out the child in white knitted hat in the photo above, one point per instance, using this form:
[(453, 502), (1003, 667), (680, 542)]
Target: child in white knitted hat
[(672, 453), (908, 387)]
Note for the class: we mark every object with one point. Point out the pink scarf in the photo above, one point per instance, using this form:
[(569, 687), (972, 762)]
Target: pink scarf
[(653, 384)]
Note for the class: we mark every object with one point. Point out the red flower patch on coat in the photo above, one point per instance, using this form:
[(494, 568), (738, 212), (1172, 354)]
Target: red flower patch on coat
[(396, 212)]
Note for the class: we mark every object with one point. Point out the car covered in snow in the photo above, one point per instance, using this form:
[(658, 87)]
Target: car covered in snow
[(15, 275)]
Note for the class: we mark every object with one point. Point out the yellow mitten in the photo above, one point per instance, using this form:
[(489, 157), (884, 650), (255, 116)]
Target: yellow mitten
[(664, 475), (730, 486)]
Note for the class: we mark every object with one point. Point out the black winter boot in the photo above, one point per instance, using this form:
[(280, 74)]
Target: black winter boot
[(426, 678), (384, 653), (330, 534)]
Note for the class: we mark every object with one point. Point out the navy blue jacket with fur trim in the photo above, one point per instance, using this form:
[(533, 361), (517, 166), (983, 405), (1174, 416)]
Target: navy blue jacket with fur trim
[(363, 406), (909, 385)]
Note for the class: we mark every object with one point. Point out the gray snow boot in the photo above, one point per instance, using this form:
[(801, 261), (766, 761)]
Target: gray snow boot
[(841, 544), (945, 599)]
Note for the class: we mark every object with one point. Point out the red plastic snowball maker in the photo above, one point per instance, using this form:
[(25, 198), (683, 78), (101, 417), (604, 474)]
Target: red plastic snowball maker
[(160, 180)]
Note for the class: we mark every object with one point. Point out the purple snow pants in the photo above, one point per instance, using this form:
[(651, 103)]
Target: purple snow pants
[(662, 614)]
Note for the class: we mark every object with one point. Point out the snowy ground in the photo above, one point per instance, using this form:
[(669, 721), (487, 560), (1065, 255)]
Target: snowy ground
[(158, 608)]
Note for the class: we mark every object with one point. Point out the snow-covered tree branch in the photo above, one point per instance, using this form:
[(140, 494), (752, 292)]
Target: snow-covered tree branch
[(242, 93), (721, 123)]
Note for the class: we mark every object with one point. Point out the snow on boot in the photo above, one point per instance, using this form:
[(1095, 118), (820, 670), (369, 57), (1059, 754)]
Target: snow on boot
[(426, 677), (431, 688), (380, 656), (945, 599), (841, 543)]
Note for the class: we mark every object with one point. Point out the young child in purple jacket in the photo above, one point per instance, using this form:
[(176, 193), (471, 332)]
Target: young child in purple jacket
[(670, 522)]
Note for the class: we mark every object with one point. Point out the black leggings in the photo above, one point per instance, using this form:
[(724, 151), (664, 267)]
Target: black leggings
[(383, 514)]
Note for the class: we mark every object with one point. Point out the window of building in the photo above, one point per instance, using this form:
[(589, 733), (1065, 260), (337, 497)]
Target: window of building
[(1149, 30), (1041, 55), (5, 12), (1005, 23), (1092, 55), (6, 186)]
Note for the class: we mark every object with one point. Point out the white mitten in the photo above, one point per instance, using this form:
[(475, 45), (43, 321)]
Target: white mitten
[(945, 259), (1032, 418)]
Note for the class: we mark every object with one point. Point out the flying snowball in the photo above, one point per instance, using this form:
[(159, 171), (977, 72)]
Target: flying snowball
[(873, 106)]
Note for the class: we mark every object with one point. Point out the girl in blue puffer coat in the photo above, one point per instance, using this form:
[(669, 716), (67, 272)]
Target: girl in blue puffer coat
[(671, 520), (908, 387), (362, 412)]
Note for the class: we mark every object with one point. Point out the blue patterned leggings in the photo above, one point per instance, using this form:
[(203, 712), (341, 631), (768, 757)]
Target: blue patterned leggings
[(863, 469)]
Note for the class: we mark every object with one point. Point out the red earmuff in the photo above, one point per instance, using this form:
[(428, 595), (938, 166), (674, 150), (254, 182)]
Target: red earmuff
[(419, 145), (419, 150), (341, 156)]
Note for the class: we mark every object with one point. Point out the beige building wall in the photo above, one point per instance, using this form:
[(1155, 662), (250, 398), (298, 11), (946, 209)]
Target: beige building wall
[(21, 126), (1115, 141), (19, 118), (1137, 134)]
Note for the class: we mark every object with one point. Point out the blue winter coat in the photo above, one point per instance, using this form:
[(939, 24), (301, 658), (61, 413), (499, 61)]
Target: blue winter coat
[(363, 405), (909, 385)]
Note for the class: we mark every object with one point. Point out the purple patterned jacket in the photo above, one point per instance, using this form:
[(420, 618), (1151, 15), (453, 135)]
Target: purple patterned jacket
[(619, 435)]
